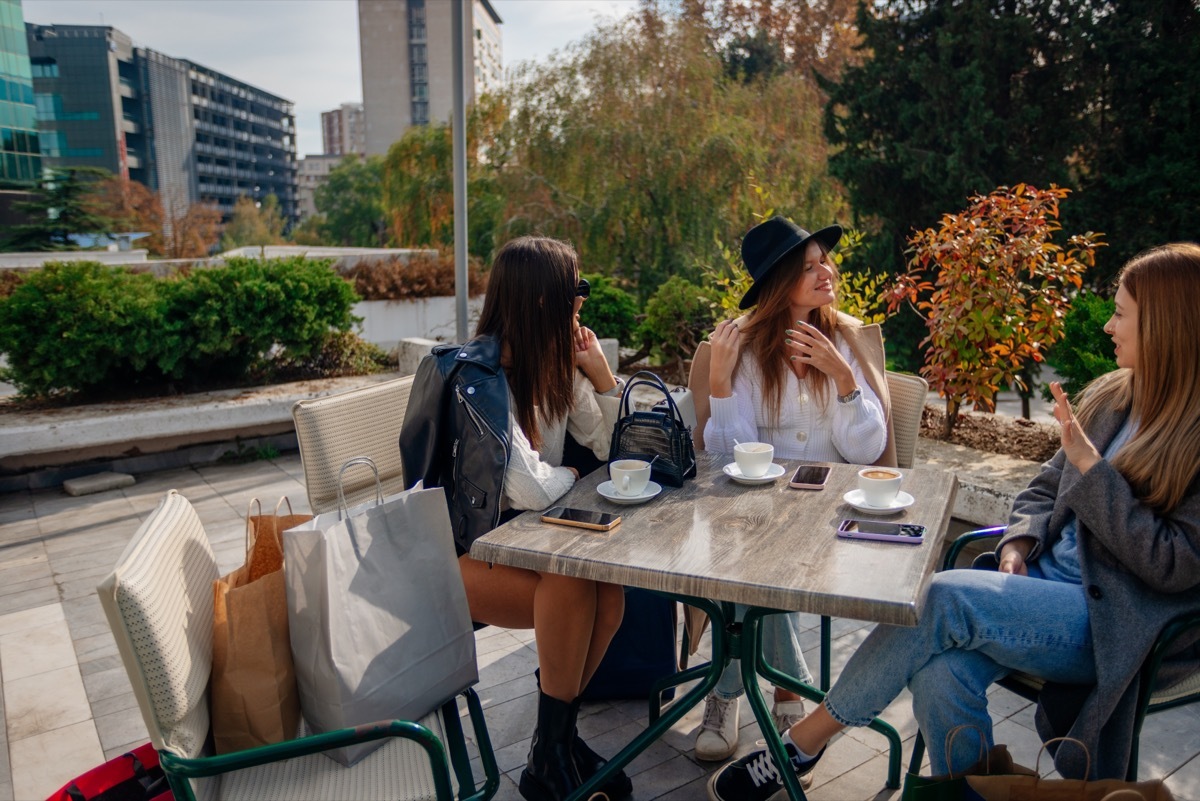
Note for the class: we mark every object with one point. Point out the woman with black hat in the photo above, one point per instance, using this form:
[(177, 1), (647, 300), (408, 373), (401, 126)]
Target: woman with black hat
[(807, 379)]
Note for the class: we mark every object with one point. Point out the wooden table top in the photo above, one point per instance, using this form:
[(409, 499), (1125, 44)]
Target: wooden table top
[(766, 545)]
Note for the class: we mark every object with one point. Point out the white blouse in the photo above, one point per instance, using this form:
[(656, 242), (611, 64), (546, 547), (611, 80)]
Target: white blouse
[(811, 428), (535, 479)]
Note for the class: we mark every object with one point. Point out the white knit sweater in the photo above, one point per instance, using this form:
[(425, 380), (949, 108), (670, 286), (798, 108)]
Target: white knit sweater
[(535, 479), (812, 428)]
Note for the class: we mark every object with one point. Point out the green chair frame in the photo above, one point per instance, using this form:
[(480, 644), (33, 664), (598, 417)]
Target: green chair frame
[(1028, 687)]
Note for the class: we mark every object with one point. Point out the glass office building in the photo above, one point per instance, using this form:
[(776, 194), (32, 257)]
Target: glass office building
[(20, 158)]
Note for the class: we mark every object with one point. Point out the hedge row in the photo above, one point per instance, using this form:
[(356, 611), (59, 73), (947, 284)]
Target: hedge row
[(95, 330)]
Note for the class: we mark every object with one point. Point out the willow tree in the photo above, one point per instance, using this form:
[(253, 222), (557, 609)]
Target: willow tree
[(636, 144)]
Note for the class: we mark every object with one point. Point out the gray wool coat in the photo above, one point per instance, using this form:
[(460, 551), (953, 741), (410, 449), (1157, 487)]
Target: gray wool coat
[(1139, 571)]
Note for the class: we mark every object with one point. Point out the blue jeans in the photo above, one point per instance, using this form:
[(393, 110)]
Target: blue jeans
[(780, 647), (977, 626)]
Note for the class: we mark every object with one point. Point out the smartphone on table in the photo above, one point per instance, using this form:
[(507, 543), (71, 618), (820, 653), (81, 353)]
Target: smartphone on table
[(906, 533), (582, 518), (810, 476)]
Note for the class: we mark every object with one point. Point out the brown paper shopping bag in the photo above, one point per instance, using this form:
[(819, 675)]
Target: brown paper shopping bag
[(254, 697), (1035, 788)]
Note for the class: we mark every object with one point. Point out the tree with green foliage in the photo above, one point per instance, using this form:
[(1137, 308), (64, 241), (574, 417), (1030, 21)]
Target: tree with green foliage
[(351, 202), (64, 207), (253, 223), (955, 99), (635, 144)]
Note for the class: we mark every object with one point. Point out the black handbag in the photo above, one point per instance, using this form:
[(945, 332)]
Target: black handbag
[(658, 433)]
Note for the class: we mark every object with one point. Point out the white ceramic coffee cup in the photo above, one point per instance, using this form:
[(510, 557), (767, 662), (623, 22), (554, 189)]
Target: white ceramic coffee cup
[(629, 476), (753, 458), (879, 485)]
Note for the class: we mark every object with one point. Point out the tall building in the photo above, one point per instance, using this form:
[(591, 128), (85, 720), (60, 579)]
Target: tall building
[(20, 153), (407, 64), (343, 131), (313, 172), (186, 131)]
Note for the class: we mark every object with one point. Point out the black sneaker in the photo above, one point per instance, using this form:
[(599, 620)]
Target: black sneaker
[(754, 777)]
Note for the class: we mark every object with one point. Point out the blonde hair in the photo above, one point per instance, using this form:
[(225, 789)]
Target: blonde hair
[(1161, 460), (772, 316)]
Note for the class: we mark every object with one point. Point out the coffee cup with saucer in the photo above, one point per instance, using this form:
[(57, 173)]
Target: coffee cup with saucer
[(899, 503), (609, 491)]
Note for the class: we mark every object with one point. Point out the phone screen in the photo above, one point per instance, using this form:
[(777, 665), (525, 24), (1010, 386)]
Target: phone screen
[(580, 517), (810, 475)]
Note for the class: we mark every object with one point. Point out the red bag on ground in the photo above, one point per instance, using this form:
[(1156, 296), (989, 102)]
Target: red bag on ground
[(134, 776)]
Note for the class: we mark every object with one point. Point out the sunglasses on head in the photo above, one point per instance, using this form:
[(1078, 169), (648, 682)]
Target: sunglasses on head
[(584, 289)]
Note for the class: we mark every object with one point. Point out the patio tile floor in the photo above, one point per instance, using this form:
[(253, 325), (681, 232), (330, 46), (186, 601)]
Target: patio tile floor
[(66, 704)]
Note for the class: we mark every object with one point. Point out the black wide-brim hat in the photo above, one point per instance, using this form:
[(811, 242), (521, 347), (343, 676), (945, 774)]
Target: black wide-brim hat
[(768, 242)]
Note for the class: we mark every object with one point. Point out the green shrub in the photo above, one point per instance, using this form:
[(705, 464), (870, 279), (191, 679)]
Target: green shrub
[(1085, 351), (342, 353), (233, 319), (678, 316), (609, 311), (79, 325), (99, 331)]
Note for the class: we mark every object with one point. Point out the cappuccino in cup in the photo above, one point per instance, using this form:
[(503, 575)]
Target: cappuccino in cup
[(754, 458), (879, 485)]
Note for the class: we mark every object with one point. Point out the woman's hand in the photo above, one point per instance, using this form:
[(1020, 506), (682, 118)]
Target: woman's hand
[(726, 344), (1079, 449), (808, 347), (589, 357), (1012, 557)]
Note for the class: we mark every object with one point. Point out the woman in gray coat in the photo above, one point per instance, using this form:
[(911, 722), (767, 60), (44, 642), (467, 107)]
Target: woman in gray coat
[(1102, 549)]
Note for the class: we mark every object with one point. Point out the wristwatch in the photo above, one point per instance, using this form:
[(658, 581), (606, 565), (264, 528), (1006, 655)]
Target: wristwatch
[(851, 395)]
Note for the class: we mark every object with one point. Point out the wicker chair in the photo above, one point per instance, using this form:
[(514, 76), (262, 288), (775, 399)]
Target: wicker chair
[(359, 422), (158, 601)]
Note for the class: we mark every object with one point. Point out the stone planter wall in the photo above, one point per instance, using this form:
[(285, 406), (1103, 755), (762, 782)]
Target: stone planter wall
[(386, 322)]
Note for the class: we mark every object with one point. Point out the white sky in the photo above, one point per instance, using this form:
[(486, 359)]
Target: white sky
[(303, 50)]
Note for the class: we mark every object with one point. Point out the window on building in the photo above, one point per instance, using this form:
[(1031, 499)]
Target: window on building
[(417, 52), (44, 67), (420, 113)]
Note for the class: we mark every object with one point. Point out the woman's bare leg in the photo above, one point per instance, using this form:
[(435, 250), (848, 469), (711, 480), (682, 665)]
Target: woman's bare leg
[(610, 609), (818, 727)]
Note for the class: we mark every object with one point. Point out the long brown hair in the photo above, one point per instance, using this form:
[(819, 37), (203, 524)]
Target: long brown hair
[(771, 317), (530, 308), (1162, 393)]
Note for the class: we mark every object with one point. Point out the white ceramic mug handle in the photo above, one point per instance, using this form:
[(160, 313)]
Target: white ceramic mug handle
[(625, 484)]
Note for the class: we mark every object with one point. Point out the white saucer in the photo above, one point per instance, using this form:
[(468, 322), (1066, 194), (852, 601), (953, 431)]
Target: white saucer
[(609, 491), (773, 472), (855, 498)]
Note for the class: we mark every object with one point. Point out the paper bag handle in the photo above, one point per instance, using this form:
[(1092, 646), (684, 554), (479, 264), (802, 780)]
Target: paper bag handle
[(282, 500), (249, 514), (983, 752), (357, 460), (1088, 764)]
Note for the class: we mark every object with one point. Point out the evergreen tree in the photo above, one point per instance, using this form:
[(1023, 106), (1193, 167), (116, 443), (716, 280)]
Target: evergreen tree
[(351, 201), (63, 208)]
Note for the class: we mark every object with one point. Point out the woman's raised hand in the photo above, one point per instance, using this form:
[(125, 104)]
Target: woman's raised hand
[(726, 342), (1079, 449), (808, 347), (589, 357)]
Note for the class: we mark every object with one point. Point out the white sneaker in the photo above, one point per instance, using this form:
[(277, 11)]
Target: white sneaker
[(718, 735), (786, 714)]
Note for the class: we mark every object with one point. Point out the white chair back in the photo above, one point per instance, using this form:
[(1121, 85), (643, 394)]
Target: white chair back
[(359, 422), (908, 401), (159, 604)]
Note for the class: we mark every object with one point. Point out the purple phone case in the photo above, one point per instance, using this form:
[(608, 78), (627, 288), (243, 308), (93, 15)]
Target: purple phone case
[(860, 535)]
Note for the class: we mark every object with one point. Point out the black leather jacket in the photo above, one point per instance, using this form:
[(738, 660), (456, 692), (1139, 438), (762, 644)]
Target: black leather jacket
[(456, 433)]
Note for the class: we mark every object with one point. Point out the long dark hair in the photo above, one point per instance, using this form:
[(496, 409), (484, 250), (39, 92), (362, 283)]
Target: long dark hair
[(530, 308)]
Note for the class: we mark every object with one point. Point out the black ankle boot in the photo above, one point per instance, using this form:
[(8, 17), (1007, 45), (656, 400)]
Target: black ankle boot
[(589, 763), (550, 773)]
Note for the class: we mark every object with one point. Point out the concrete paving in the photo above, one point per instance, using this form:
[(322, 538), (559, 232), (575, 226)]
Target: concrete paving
[(66, 704)]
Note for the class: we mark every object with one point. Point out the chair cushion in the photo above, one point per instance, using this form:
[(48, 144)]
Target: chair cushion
[(1189, 686), (159, 604), (398, 771)]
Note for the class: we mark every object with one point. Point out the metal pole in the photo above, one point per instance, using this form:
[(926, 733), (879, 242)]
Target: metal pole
[(459, 131)]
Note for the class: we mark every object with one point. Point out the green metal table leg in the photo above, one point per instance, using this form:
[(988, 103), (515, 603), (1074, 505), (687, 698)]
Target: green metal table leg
[(826, 651), (721, 649)]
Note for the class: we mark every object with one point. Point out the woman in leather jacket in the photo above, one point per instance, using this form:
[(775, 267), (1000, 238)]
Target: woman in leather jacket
[(487, 421)]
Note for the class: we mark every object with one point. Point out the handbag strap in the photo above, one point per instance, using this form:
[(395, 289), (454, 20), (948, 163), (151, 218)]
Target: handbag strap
[(357, 460), (649, 379)]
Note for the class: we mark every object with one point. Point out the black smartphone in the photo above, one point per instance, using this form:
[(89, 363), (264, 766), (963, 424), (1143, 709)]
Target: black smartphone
[(809, 476), (583, 518), (907, 533)]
